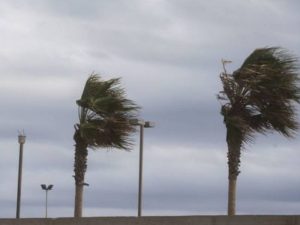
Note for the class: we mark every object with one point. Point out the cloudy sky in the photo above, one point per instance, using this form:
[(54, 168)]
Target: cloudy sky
[(168, 53)]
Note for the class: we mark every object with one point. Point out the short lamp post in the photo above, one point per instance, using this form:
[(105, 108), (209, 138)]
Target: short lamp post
[(21, 140), (46, 188), (142, 124)]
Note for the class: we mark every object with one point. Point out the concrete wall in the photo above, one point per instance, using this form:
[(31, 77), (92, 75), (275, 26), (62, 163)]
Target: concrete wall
[(174, 220)]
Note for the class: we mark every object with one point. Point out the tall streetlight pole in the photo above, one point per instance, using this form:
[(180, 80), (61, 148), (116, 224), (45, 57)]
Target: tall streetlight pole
[(21, 139), (46, 188), (142, 124)]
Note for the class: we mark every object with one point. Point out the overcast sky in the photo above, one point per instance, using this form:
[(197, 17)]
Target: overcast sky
[(168, 54)]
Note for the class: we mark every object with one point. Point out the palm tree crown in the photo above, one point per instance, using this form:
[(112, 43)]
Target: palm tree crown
[(104, 114), (260, 96)]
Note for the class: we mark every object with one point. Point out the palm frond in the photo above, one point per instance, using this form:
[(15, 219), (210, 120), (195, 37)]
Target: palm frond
[(104, 114), (262, 93)]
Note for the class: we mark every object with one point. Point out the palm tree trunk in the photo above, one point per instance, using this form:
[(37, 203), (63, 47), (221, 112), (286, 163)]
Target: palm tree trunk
[(234, 143), (78, 201), (80, 166), (231, 197)]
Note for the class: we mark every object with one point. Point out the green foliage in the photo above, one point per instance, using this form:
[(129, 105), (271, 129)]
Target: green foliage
[(260, 96), (104, 114)]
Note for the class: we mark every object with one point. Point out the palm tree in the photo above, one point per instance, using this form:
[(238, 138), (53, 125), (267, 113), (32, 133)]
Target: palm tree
[(104, 114), (258, 97)]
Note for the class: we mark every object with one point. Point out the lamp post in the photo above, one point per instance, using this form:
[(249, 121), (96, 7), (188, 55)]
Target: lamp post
[(142, 124), (46, 188), (21, 140)]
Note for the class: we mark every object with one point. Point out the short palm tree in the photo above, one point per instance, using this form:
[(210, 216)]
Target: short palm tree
[(258, 97), (104, 114)]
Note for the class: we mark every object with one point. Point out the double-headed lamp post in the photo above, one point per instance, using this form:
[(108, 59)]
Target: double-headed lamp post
[(46, 188), (142, 124), (21, 140)]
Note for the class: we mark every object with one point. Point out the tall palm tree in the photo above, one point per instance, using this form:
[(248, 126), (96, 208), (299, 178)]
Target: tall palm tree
[(104, 114), (258, 97)]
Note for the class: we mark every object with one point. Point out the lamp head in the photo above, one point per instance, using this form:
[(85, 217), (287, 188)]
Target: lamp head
[(137, 122), (21, 138), (149, 124)]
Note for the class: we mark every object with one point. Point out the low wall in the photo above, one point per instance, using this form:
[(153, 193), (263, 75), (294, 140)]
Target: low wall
[(163, 220)]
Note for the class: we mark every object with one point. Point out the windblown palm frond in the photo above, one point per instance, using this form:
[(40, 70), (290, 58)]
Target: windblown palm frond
[(104, 114), (262, 93)]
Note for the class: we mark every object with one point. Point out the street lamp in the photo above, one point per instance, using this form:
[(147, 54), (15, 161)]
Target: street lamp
[(142, 124), (21, 140), (46, 188)]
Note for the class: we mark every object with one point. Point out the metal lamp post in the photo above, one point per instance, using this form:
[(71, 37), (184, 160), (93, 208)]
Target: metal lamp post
[(21, 140), (46, 188), (142, 124)]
